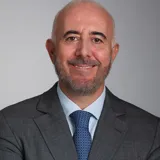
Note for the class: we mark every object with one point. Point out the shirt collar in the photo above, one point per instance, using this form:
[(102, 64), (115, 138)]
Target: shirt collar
[(69, 106)]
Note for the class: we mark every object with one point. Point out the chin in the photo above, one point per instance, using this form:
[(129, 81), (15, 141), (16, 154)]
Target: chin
[(83, 87), (83, 81)]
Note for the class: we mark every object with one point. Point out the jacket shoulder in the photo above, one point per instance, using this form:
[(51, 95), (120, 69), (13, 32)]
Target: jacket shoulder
[(130, 109), (26, 108)]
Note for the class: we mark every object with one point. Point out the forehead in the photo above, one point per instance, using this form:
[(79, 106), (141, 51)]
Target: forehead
[(85, 16)]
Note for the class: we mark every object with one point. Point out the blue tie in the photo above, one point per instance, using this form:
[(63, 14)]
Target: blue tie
[(82, 136)]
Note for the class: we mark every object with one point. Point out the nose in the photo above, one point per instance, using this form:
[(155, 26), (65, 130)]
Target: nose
[(83, 48)]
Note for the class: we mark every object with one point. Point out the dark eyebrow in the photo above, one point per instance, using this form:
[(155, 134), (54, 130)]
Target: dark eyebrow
[(70, 32), (98, 33)]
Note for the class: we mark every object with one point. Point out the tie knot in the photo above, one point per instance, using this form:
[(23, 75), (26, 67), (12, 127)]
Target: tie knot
[(81, 118)]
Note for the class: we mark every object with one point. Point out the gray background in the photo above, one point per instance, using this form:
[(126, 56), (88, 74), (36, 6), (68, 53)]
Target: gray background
[(25, 67)]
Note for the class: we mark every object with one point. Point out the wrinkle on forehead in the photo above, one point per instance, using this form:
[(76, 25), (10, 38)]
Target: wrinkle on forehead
[(75, 10)]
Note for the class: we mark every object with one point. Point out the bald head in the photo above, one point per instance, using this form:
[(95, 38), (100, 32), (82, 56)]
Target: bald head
[(81, 5)]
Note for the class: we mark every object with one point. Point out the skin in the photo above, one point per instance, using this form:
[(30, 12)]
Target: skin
[(83, 51)]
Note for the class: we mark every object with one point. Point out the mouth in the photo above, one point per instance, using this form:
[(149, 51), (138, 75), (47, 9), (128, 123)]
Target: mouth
[(82, 66)]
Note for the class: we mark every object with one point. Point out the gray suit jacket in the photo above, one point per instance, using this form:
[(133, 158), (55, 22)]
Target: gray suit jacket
[(36, 129)]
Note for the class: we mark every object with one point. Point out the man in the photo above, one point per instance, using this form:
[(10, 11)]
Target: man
[(82, 49)]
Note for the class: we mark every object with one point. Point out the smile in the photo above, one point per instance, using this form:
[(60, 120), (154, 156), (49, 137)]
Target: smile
[(83, 66)]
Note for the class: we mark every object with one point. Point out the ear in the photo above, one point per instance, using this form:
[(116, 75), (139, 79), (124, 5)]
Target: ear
[(50, 46), (115, 51)]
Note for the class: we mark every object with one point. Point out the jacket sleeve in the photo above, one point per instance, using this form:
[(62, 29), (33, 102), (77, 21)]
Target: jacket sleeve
[(9, 147), (155, 151)]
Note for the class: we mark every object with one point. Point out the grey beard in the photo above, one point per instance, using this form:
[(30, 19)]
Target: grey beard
[(88, 89)]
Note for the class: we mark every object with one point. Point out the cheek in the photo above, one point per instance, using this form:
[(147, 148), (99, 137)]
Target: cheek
[(103, 56), (65, 52)]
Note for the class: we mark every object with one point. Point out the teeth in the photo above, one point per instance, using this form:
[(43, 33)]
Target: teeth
[(83, 66)]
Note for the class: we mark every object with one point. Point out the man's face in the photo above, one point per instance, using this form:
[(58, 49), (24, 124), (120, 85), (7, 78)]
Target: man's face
[(83, 50)]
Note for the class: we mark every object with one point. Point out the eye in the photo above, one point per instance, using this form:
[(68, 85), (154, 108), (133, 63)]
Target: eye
[(71, 39), (97, 40)]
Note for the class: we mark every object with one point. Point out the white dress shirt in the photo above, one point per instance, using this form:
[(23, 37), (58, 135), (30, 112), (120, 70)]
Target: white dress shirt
[(69, 107)]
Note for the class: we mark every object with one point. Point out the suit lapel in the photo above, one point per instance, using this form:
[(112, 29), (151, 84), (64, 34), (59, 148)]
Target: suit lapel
[(54, 127), (110, 130)]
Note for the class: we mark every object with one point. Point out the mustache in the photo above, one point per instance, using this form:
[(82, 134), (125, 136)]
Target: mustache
[(83, 61)]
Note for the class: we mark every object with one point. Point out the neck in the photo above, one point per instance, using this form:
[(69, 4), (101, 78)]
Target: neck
[(81, 100)]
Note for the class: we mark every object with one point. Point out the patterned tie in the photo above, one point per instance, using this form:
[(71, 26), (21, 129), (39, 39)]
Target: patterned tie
[(82, 136)]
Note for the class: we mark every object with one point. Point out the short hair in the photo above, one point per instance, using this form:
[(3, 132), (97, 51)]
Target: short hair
[(76, 2)]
